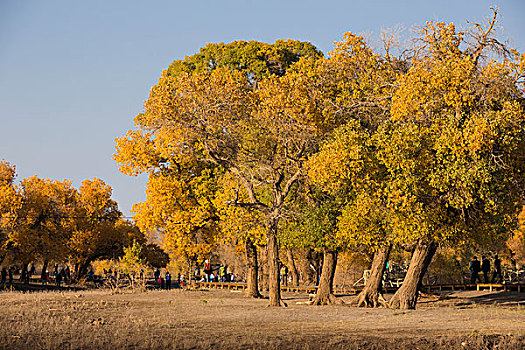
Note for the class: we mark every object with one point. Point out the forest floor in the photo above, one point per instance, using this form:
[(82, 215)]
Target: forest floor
[(185, 319)]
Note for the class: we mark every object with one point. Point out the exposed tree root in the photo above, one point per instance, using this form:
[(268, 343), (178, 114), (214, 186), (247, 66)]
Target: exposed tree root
[(329, 299), (402, 302), (254, 295), (281, 304), (370, 299)]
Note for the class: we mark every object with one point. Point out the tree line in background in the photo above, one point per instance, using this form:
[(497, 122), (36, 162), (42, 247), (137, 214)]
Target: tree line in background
[(50, 221)]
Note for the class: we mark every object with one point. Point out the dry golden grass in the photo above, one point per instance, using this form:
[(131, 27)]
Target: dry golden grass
[(221, 319)]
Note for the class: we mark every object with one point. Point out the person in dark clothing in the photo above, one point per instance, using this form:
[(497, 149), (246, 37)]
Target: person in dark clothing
[(68, 275), (168, 280), (497, 270), (4, 275), (32, 270), (58, 279), (156, 275), (485, 267), (475, 268)]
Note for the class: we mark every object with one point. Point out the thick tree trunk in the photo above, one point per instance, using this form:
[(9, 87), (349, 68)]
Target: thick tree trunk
[(252, 289), (43, 272), (371, 295), (263, 268), (406, 296), (292, 268), (324, 295), (82, 270), (308, 274), (274, 284)]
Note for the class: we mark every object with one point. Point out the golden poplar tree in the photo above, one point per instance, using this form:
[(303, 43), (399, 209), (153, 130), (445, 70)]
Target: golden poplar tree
[(220, 114)]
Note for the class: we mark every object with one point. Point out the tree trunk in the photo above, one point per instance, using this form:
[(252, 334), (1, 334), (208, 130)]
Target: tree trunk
[(82, 270), (317, 262), (324, 295), (274, 284), (292, 268), (263, 268), (308, 274), (75, 272), (406, 296), (371, 294), (252, 289), (43, 272)]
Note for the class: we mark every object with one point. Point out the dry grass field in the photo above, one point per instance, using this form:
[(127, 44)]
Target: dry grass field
[(220, 319)]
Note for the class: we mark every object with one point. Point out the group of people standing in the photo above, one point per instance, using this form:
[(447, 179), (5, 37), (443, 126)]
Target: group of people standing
[(60, 275), (484, 266), (221, 275), (165, 282)]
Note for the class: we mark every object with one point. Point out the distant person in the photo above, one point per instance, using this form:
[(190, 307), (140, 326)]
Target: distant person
[(284, 274), (474, 268), (4, 275), (228, 273), (497, 270), (162, 284), (485, 267), (58, 279), (32, 270), (182, 282), (167, 276), (68, 274), (156, 275), (222, 273), (207, 270), (62, 274), (45, 280)]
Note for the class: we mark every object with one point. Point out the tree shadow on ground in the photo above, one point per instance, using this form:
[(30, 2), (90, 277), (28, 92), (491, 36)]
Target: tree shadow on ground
[(466, 298), (34, 287), (500, 298)]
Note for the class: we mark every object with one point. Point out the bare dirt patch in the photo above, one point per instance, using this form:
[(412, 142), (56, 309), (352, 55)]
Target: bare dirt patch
[(221, 319)]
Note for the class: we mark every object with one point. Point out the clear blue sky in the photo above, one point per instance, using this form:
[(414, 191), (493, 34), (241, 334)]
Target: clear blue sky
[(73, 74)]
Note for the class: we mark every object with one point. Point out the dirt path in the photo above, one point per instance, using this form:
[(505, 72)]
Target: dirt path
[(221, 319)]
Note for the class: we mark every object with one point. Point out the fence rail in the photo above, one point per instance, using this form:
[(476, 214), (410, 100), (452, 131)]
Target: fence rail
[(355, 290)]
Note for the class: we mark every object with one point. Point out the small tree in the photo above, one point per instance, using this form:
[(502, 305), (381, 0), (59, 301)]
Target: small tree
[(134, 265)]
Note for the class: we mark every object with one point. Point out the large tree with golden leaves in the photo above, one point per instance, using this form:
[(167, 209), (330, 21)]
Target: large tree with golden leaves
[(232, 107), (97, 229), (454, 147), (441, 160)]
